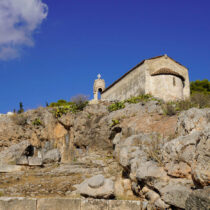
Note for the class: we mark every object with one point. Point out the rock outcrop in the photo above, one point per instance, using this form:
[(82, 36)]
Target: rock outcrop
[(132, 153)]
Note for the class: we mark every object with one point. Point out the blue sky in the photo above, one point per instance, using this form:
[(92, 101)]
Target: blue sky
[(60, 55)]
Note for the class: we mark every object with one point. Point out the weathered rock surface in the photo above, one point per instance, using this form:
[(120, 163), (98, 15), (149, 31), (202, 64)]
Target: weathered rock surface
[(175, 195), (97, 187), (193, 120), (14, 152), (52, 156), (198, 200), (8, 203), (35, 161), (10, 168), (141, 156)]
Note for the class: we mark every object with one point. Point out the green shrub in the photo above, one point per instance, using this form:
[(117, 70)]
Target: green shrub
[(60, 110), (116, 106), (60, 102), (61, 107), (114, 122), (37, 122), (202, 86), (21, 110), (140, 98)]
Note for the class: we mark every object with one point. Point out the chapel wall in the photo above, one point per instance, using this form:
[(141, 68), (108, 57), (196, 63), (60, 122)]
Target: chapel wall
[(166, 87), (133, 84), (162, 86)]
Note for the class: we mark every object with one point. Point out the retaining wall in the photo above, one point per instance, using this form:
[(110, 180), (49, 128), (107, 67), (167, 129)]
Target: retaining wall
[(19, 203)]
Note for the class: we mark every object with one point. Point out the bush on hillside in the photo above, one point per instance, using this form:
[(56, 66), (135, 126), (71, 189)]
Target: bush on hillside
[(201, 86), (78, 103), (116, 106), (140, 98)]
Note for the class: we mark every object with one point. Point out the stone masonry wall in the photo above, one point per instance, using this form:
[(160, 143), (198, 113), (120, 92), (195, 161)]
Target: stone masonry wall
[(141, 80), (161, 86), (131, 85), (69, 204)]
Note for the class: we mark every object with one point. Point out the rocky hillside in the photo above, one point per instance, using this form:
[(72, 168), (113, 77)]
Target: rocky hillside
[(136, 153)]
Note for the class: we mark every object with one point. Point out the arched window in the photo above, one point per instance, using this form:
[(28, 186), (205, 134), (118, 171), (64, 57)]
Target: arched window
[(99, 93), (174, 81)]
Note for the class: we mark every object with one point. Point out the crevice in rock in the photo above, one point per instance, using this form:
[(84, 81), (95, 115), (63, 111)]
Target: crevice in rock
[(29, 151), (114, 131)]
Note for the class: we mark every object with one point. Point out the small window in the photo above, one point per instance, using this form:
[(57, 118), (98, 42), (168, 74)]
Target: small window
[(99, 93), (174, 81)]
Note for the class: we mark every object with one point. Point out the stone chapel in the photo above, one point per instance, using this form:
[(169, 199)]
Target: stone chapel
[(160, 76)]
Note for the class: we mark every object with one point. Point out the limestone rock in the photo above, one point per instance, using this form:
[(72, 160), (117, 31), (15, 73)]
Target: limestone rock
[(96, 187), (179, 169), (13, 153), (198, 200), (124, 205), (153, 106), (201, 176), (193, 120), (17, 203), (52, 156), (181, 148), (58, 203), (161, 204), (151, 174), (175, 195), (10, 168), (152, 196), (96, 181), (66, 120), (35, 161), (23, 160)]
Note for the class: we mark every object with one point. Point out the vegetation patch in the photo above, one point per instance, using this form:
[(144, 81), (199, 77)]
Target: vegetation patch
[(19, 119), (140, 98), (201, 86), (153, 149), (114, 122), (132, 100), (116, 106), (37, 122), (77, 103)]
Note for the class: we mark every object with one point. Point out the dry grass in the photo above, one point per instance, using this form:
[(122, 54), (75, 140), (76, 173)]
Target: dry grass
[(153, 149), (19, 119)]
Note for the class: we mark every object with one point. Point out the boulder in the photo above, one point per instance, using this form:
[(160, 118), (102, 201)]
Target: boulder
[(178, 169), (35, 161), (201, 170), (14, 152), (175, 195), (151, 174), (23, 160), (52, 156), (198, 200), (96, 187), (182, 148), (193, 120)]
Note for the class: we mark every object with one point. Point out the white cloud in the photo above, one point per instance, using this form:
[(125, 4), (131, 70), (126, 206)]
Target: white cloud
[(18, 20)]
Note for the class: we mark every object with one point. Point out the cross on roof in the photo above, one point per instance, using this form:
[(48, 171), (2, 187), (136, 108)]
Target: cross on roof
[(99, 76)]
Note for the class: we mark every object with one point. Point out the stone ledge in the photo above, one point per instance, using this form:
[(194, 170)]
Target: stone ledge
[(20, 203)]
